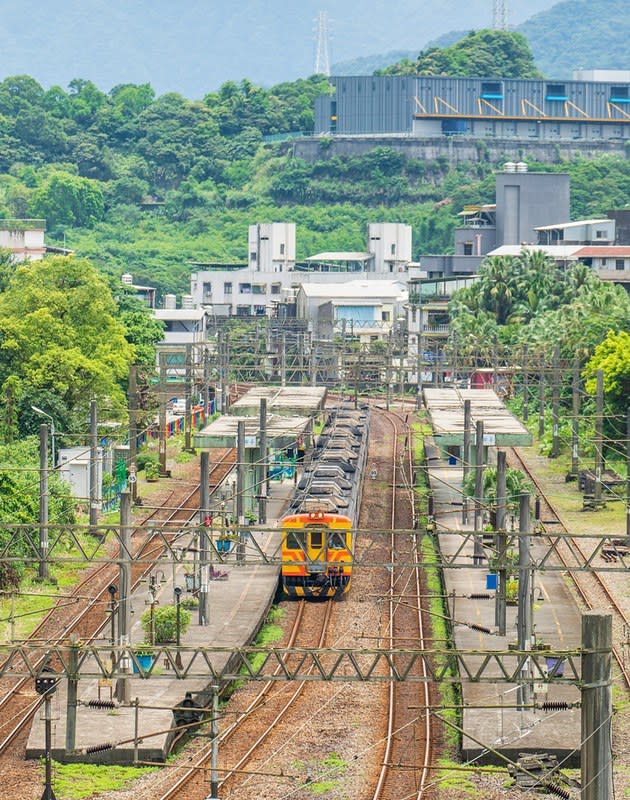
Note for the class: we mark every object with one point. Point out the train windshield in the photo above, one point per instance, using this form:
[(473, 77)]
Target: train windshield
[(336, 540), (296, 540)]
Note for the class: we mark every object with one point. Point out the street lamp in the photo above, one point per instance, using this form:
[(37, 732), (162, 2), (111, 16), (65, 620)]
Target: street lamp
[(52, 431)]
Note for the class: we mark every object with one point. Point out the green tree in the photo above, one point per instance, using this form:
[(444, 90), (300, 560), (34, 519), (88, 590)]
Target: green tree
[(69, 200), (59, 336)]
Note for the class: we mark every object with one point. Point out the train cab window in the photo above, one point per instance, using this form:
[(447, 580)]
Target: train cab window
[(317, 538), (295, 540), (336, 540)]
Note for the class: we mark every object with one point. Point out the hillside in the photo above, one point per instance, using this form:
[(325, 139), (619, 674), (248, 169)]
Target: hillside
[(597, 36), (193, 46), (596, 39)]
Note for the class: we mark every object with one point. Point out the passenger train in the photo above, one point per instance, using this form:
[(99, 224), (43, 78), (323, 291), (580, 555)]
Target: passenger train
[(318, 539)]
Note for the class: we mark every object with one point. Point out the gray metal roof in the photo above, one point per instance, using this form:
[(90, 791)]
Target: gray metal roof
[(446, 413)]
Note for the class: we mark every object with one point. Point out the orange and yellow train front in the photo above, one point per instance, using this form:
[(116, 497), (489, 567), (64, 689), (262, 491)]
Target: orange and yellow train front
[(317, 550)]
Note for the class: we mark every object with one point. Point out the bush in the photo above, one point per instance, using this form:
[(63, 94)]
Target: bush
[(145, 457), (165, 622)]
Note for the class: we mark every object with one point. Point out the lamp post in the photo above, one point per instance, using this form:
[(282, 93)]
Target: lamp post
[(52, 431), (46, 685)]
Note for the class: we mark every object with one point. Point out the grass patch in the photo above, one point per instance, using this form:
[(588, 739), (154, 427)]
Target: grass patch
[(76, 781), (326, 774)]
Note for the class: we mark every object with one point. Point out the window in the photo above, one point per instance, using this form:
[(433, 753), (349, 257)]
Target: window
[(295, 540), (468, 248), (260, 311), (619, 94), (259, 288), (385, 316), (336, 540), (604, 261), (492, 90), (556, 91), (253, 256), (393, 249), (282, 249), (275, 288), (600, 234), (245, 288), (227, 288), (207, 290), (619, 263)]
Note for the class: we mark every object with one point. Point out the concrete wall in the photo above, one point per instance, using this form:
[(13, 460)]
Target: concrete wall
[(456, 149), (526, 200)]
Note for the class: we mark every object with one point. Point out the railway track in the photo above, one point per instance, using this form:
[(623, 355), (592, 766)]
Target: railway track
[(591, 587), (257, 722), (19, 703), (409, 735)]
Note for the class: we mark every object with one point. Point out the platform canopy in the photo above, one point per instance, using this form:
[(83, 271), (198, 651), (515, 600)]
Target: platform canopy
[(282, 432), (281, 401), (446, 414)]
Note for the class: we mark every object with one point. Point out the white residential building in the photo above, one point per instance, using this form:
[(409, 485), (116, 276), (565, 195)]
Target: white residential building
[(272, 274), (24, 238), (366, 309)]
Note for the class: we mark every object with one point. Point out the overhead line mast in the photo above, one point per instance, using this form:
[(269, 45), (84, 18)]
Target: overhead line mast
[(322, 54), (500, 15)]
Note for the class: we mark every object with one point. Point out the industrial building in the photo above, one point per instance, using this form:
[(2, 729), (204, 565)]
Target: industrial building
[(525, 201), (425, 107)]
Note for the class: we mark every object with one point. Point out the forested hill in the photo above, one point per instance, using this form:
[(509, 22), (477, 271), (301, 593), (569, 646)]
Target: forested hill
[(193, 46), (578, 34), (573, 34)]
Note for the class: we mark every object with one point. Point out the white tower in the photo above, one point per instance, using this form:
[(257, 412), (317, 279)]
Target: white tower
[(500, 15), (322, 57)]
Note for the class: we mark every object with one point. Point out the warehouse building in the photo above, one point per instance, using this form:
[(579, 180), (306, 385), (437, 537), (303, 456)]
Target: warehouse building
[(476, 107)]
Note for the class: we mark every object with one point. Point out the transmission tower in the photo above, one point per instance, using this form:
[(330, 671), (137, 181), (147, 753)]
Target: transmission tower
[(500, 15), (322, 57)]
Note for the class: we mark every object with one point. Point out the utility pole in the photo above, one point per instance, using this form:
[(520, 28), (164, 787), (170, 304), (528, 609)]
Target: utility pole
[(93, 468), (599, 435), (575, 421), (419, 368), (206, 384), (214, 733), (541, 408), (524, 622), (133, 426), (525, 386), (263, 484), (466, 457), (478, 539), (43, 573), (500, 598), (162, 415), (388, 370), (283, 359), (188, 397), (555, 404), (204, 503), (123, 686), (73, 694), (596, 754), (628, 472), (240, 490)]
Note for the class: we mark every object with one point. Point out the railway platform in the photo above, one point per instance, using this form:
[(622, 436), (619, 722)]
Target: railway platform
[(557, 621), (239, 603)]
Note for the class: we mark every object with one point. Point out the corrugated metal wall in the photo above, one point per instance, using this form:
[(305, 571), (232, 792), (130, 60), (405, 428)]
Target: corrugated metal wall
[(366, 105)]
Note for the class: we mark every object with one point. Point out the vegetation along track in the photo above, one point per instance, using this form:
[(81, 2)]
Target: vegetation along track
[(405, 767), (591, 586), (255, 729), (84, 614)]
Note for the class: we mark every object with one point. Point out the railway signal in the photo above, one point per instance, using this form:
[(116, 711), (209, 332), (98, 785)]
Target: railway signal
[(46, 685)]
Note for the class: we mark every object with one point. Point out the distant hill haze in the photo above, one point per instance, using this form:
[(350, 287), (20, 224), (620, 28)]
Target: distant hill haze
[(192, 46), (596, 38)]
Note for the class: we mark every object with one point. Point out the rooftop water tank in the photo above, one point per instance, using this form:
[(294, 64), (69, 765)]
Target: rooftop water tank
[(510, 167), (187, 301), (170, 301), (521, 166)]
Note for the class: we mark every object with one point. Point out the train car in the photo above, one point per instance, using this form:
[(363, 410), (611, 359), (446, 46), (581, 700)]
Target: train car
[(317, 532)]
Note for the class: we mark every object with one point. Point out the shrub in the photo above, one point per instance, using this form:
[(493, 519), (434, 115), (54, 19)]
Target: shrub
[(165, 622)]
